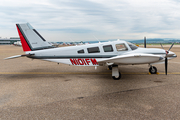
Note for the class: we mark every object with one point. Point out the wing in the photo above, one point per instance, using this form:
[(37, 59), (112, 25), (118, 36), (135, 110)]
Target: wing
[(132, 59)]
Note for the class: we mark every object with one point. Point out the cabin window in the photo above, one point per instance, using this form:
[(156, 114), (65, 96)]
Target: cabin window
[(93, 50), (121, 47), (132, 46), (108, 48), (80, 51)]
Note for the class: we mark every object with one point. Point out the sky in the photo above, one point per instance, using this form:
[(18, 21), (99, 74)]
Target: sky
[(85, 20)]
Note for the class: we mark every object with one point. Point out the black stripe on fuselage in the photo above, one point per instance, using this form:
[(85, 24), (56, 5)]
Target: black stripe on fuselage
[(42, 48), (157, 53), (69, 57)]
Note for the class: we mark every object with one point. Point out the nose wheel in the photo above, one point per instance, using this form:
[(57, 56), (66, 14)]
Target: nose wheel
[(153, 70)]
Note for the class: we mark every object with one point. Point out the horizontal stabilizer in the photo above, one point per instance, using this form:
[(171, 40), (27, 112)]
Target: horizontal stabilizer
[(17, 56)]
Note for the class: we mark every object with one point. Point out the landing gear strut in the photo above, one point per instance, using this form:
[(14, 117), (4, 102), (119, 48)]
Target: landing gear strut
[(153, 70), (110, 67)]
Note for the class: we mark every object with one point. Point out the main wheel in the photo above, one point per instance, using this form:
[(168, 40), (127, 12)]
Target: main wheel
[(117, 77), (153, 70)]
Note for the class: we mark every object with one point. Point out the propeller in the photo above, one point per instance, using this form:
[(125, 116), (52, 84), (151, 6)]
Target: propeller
[(161, 46), (166, 60), (170, 47), (144, 42), (166, 63)]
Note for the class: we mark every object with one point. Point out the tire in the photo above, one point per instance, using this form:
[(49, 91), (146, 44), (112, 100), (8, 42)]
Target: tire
[(153, 70), (117, 78), (110, 67)]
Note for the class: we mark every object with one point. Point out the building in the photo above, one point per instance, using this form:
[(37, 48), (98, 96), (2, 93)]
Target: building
[(10, 40)]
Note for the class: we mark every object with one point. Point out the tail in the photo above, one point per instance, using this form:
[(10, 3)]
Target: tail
[(31, 40)]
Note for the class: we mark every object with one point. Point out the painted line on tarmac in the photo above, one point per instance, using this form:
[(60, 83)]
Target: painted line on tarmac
[(175, 62), (75, 73), (61, 73)]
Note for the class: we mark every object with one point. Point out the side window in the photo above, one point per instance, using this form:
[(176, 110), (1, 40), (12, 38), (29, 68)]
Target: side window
[(80, 51), (121, 47), (93, 50), (108, 48)]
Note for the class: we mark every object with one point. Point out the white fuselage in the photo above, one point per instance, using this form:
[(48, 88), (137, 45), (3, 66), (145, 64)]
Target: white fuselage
[(122, 52)]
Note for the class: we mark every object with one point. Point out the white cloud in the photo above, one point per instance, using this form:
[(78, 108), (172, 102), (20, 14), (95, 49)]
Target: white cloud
[(81, 19)]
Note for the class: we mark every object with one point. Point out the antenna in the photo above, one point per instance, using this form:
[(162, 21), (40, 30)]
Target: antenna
[(96, 39), (72, 41)]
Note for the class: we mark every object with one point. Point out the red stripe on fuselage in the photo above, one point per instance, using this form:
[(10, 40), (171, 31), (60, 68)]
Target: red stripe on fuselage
[(23, 41)]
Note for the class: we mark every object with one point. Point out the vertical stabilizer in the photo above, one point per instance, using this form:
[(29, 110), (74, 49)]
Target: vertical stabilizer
[(31, 40)]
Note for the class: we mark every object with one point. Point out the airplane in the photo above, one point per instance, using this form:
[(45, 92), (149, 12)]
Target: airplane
[(18, 43), (110, 54)]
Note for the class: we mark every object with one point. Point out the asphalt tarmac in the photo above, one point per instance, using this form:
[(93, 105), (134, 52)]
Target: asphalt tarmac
[(34, 89)]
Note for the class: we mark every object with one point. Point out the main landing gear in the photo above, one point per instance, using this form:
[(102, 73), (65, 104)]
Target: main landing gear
[(116, 75), (153, 70)]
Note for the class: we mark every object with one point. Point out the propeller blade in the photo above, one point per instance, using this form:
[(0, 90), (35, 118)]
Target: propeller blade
[(162, 46), (166, 63), (171, 47), (144, 42)]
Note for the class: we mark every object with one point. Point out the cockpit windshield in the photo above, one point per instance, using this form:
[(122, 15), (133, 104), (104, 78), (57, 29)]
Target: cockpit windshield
[(132, 46)]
